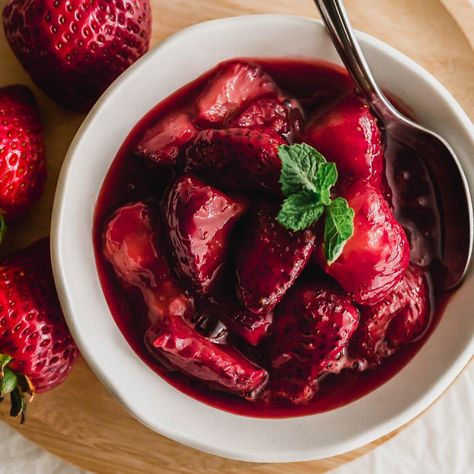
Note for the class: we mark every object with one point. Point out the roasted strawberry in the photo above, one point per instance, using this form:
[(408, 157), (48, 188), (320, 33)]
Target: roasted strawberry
[(134, 246), (397, 320), (200, 219), (347, 134), (73, 50), (280, 114), (269, 260), (237, 158), (22, 157), (251, 327), (37, 351), (313, 325), (218, 366), (373, 261), (234, 85), (164, 141)]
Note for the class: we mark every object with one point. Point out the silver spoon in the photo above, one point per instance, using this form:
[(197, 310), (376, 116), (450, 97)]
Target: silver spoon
[(452, 237)]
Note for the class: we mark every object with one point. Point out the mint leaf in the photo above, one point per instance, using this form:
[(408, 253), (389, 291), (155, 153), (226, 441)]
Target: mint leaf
[(338, 228), (300, 211), (300, 165), (325, 179)]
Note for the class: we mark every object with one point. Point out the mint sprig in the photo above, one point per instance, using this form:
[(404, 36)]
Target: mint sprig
[(306, 180)]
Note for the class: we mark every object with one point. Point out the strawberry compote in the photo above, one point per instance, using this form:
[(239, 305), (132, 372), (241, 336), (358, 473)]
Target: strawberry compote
[(221, 299)]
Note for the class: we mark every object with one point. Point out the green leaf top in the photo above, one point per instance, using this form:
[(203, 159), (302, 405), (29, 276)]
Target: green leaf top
[(306, 180)]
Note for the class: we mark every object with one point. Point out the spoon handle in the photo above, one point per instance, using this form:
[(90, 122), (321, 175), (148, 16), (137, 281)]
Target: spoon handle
[(337, 23)]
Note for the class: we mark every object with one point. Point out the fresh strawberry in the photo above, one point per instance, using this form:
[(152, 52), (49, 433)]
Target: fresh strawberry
[(347, 134), (313, 326), (397, 320), (373, 261), (251, 327), (237, 158), (269, 260), (164, 141), (134, 246), (234, 85), (200, 219), (73, 50), (37, 351), (22, 157), (280, 114)]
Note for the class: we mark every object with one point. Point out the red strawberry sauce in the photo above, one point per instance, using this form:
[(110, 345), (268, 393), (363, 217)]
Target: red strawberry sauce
[(129, 179)]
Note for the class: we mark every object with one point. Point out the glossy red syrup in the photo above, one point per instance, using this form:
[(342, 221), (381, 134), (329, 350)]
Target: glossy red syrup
[(129, 179)]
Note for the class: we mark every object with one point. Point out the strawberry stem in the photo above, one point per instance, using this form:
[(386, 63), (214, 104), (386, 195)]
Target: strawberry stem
[(17, 385)]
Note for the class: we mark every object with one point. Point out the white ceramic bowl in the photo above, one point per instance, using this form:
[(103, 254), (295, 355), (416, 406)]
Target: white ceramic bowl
[(149, 398)]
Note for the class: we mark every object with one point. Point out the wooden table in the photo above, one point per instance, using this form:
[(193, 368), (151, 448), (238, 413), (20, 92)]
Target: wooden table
[(80, 421)]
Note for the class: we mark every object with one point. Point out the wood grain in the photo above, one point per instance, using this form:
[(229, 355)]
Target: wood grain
[(80, 421)]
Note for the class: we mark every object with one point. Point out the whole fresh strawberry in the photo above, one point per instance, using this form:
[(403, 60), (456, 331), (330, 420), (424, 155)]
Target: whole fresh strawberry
[(37, 351), (22, 157), (74, 49)]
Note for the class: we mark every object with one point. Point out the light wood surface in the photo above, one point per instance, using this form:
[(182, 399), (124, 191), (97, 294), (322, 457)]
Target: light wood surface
[(80, 421)]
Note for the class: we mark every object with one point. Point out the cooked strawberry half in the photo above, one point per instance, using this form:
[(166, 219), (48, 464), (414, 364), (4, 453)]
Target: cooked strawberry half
[(373, 261), (75, 50), (269, 260), (218, 366), (200, 220), (280, 114), (347, 134), (233, 86), (22, 156), (133, 244), (237, 158), (397, 320), (252, 328), (37, 351), (163, 143), (313, 326)]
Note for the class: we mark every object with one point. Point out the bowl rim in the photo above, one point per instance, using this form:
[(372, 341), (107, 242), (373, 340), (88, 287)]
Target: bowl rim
[(67, 304)]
